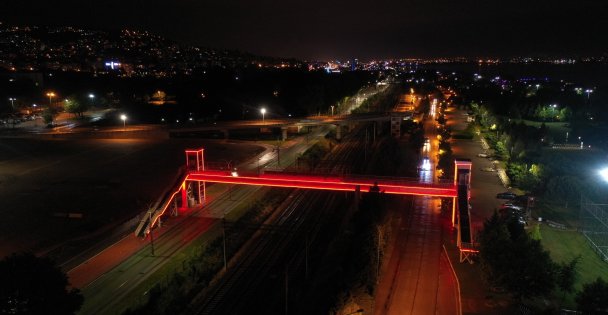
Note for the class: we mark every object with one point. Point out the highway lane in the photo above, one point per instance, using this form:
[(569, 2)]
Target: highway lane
[(411, 281)]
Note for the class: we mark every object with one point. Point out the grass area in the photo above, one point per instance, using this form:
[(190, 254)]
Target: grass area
[(139, 296), (557, 212), (557, 130), (566, 245)]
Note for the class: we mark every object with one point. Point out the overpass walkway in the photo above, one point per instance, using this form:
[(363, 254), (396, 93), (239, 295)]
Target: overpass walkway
[(191, 191)]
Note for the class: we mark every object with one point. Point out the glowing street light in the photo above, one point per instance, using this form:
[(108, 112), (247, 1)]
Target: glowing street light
[(123, 117), (91, 96), (12, 99), (588, 91), (332, 110), (604, 173), (263, 111), (50, 95)]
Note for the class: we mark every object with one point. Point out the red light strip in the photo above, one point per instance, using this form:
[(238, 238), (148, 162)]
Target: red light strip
[(309, 182), (469, 250), (168, 203)]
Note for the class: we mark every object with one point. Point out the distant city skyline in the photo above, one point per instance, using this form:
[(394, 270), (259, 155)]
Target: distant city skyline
[(316, 30)]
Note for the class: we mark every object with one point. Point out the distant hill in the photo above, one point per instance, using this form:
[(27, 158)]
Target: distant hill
[(126, 53)]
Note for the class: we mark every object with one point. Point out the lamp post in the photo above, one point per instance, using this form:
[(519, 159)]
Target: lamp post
[(50, 95), (233, 173), (588, 91), (263, 111), (12, 99), (332, 110), (604, 173), (150, 231), (123, 117)]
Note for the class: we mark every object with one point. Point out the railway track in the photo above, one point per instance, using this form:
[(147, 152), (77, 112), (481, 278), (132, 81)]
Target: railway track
[(281, 254)]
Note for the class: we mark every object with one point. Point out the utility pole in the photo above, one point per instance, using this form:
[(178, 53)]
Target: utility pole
[(306, 257), (224, 237), (259, 165), (286, 289), (278, 149), (378, 257), (151, 234)]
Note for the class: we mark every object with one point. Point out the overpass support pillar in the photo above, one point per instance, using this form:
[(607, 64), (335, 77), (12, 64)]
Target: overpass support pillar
[(338, 132), (357, 197), (284, 133), (462, 176), (454, 200), (184, 193)]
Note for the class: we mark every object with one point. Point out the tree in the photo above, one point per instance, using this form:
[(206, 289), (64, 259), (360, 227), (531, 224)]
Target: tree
[(48, 115), (530, 272), (493, 238), (566, 274), (32, 285), (515, 261), (593, 299), (75, 106)]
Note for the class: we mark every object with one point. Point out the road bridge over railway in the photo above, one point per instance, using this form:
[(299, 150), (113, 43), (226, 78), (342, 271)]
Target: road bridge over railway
[(292, 124), (191, 191)]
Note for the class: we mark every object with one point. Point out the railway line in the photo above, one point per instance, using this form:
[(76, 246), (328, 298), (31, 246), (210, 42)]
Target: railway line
[(280, 252)]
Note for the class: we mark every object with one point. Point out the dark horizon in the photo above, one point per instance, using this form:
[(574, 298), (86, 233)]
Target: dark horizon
[(320, 31)]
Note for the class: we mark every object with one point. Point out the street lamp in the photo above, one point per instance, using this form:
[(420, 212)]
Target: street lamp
[(91, 96), (123, 117), (50, 95), (332, 110), (263, 111), (604, 173), (12, 99), (588, 91)]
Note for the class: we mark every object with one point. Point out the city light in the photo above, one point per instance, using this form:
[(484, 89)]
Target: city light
[(91, 96), (263, 111), (604, 173), (50, 95), (12, 99), (123, 117)]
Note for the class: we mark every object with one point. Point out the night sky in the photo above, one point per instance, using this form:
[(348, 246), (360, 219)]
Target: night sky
[(316, 29)]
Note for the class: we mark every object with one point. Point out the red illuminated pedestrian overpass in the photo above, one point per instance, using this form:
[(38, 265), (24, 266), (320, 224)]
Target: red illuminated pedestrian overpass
[(192, 189)]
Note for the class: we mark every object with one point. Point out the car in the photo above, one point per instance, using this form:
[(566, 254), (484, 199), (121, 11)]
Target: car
[(508, 212), (426, 164), (482, 155), (521, 220), (506, 195), (511, 206), (488, 169)]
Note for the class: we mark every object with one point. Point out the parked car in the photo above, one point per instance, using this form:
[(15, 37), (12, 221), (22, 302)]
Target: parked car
[(482, 155), (512, 206), (506, 195), (488, 169)]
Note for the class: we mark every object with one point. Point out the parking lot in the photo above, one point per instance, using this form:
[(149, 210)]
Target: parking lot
[(59, 189)]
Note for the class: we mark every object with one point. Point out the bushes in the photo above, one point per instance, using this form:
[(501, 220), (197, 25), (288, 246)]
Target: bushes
[(202, 263)]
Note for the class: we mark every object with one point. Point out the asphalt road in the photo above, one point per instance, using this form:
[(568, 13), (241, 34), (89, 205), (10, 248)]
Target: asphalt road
[(107, 181), (416, 278)]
